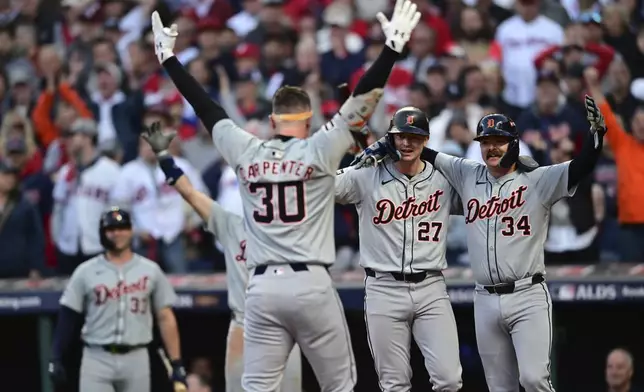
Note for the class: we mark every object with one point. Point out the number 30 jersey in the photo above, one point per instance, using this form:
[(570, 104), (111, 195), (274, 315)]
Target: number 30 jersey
[(287, 189), (403, 221)]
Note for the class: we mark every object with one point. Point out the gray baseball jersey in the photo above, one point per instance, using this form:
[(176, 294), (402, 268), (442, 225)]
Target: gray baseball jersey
[(118, 300), (506, 218), (286, 185), (228, 228), (403, 222)]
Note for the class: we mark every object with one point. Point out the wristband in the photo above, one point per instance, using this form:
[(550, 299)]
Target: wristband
[(170, 169)]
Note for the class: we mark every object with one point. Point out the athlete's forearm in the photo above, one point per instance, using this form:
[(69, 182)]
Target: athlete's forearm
[(170, 333), (585, 162), (68, 328), (429, 155), (378, 73), (175, 177), (208, 111)]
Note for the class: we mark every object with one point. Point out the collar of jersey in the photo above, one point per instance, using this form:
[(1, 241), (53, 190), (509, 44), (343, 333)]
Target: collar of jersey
[(504, 178), (283, 138), (393, 171)]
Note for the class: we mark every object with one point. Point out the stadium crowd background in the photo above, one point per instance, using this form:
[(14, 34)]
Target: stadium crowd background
[(80, 79)]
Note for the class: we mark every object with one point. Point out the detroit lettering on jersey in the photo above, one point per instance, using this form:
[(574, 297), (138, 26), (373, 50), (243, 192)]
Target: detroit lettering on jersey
[(388, 211), (241, 256), (495, 205), (104, 293), (262, 168)]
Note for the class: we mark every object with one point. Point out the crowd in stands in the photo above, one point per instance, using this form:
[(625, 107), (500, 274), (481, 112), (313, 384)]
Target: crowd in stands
[(80, 79)]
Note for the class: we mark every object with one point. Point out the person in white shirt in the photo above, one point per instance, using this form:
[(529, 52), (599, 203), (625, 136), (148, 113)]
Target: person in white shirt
[(158, 212), (521, 38), (81, 194), (247, 19)]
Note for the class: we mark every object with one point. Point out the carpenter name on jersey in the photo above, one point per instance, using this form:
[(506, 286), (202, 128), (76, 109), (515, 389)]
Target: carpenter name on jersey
[(507, 217), (403, 222), (286, 186)]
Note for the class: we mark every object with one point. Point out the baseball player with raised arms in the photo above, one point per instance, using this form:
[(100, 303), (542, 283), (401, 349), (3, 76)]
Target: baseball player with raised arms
[(507, 204), (287, 189), (229, 230), (404, 209), (113, 297)]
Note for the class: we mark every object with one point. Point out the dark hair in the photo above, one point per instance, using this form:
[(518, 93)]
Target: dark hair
[(9, 29), (290, 99), (420, 87), (486, 32)]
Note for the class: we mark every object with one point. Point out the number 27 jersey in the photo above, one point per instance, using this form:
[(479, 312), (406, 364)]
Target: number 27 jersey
[(287, 189)]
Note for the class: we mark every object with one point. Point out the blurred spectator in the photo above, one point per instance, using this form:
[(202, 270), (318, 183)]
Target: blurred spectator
[(630, 172), (617, 33), (22, 91), (436, 81), (574, 222), (475, 34), (620, 98), (272, 21), (422, 52), (619, 371), (550, 119), (118, 114), (247, 19), (341, 59), (521, 38), (21, 232), (336, 31), (81, 194), (575, 88), (58, 97), (457, 106), (158, 212)]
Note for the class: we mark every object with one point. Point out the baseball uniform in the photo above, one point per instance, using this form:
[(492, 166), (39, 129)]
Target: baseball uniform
[(118, 302), (403, 225), (286, 185), (507, 223), (228, 229)]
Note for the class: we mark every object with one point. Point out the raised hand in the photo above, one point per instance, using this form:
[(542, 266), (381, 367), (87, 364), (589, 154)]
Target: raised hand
[(375, 153), (595, 118), (164, 38), (158, 140), (403, 21)]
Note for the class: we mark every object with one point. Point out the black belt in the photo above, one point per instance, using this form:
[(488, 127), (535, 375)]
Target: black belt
[(118, 348), (297, 267), (508, 288), (415, 277)]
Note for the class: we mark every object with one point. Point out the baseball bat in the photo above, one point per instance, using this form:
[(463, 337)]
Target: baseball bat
[(178, 387), (344, 94)]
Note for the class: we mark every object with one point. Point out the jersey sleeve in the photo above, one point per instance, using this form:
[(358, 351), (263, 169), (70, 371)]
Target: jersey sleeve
[(231, 141), (74, 295), (163, 295), (330, 143), (347, 187), (552, 183), (457, 170), (217, 222)]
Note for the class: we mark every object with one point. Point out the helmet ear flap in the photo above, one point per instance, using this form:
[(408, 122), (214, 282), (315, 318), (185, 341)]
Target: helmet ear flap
[(511, 156)]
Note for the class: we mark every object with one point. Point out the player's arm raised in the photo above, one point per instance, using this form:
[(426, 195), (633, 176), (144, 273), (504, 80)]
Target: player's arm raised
[(160, 142), (229, 139), (333, 141)]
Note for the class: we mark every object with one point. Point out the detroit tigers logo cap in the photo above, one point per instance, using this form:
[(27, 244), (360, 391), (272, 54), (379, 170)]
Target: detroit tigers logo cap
[(410, 120)]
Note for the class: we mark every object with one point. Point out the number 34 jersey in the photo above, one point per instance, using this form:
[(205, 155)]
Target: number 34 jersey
[(403, 221), (286, 185), (506, 218)]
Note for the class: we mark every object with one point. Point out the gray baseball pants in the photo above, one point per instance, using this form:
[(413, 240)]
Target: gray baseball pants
[(396, 311), (284, 307), (292, 379), (514, 338), (102, 371)]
